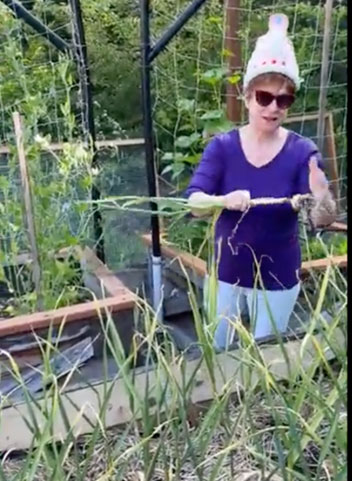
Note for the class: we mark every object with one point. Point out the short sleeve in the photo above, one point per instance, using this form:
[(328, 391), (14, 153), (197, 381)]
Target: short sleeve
[(302, 182), (207, 175)]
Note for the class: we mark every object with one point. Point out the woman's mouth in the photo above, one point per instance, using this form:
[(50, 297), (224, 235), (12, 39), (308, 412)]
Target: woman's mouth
[(270, 119)]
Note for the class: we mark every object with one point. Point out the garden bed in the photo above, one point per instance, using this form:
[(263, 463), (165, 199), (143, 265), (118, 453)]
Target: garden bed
[(177, 262), (71, 334), (83, 395), (197, 268), (20, 426)]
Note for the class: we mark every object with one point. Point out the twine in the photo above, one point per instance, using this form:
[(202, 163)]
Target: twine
[(297, 201)]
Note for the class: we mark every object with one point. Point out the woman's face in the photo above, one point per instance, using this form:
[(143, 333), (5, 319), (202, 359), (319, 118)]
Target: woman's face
[(266, 113)]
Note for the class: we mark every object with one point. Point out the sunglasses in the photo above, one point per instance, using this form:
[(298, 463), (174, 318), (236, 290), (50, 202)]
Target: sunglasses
[(283, 101)]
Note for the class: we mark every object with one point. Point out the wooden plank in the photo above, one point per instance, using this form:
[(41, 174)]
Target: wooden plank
[(28, 209), (109, 283), (199, 265), (86, 311), (83, 405), (120, 298), (321, 264), (302, 118), (336, 227), (332, 159), (29, 358), (100, 144)]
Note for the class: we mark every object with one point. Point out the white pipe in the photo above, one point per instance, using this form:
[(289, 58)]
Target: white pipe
[(157, 287)]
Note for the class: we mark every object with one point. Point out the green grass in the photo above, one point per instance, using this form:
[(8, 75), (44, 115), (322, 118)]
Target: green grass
[(257, 426)]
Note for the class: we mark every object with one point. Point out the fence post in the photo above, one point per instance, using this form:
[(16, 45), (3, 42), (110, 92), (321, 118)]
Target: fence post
[(324, 77), (80, 50), (233, 47), (28, 212)]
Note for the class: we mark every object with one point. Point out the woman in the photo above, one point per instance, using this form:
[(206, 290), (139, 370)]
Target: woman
[(257, 248)]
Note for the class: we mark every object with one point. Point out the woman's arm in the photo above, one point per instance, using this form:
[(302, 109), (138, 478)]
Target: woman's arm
[(324, 209), (203, 204)]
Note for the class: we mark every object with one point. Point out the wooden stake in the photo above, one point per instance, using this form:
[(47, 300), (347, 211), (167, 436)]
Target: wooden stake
[(324, 77), (233, 46), (28, 208), (332, 159)]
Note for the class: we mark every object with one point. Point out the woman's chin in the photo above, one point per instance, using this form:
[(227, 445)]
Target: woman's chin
[(268, 126)]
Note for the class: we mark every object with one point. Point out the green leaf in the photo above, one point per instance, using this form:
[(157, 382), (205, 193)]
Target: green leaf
[(226, 52), (212, 114), (217, 20), (192, 159), (186, 105), (167, 169), (177, 170), (168, 156), (212, 127), (186, 128), (214, 76), (234, 79), (186, 141), (172, 157)]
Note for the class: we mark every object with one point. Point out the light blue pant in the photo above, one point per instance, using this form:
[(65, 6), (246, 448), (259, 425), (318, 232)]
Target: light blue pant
[(263, 307)]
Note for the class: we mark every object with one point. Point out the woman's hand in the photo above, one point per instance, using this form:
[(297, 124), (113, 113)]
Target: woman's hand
[(237, 200), (202, 204), (324, 210), (318, 183)]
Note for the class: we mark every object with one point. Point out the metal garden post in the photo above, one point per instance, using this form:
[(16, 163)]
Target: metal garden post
[(148, 54), (80, 50)]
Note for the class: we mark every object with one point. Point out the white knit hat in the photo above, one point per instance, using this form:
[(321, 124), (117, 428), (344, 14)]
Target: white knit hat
[(273, 53)]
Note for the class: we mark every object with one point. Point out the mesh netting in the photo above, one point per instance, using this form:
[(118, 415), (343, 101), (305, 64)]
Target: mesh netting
[(41, 84)]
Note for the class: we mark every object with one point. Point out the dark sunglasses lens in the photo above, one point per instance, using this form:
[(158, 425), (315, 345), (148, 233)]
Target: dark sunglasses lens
[(285, 101), (264, 98)]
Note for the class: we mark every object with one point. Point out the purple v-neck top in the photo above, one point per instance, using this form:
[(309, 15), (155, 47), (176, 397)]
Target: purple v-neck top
[(266, 235)]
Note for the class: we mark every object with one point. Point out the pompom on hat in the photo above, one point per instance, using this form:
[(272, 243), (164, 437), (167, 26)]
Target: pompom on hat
[(273, 53)]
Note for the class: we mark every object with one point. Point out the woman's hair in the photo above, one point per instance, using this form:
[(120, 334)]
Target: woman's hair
[(267, 78)]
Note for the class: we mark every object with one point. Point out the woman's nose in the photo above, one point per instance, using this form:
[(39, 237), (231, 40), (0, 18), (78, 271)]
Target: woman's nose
[(273, 107)]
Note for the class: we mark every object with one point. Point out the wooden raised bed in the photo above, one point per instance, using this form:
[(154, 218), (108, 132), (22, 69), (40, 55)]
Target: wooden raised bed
[(82, 405), (23, 337), (197, 267), (82, 401)]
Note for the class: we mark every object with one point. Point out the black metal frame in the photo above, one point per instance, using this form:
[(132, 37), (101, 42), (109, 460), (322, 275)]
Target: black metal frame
[(79, 52), (148, 54), (22, 13), (80, 49)]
